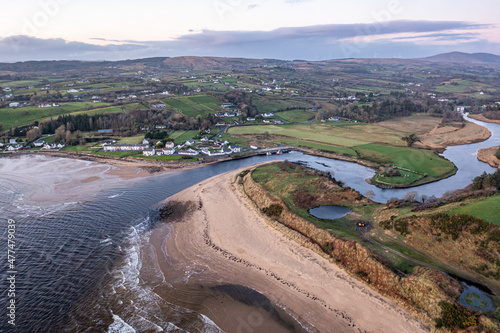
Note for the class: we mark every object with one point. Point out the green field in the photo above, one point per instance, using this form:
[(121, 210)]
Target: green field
[(132, 140), (368, 142), (296, 116), (270, 103), (487, 209), (28, 115), (419, 160), (194, 106), (182, 136)]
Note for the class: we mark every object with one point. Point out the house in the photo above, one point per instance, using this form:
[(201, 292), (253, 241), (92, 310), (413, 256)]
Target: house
[(49, 146), (169, 148), (266, 121), (189, 152), (250, 119), (124, 147), (39, 143), (278, 122), (60, 146), (204, 139), (12, 142), (235, 148), (145, 142), (1, 145), (13, 148), (72, 91), (158, 106), (148, 152), (160, 127), (189, 142), (268, 115), (14, 105)]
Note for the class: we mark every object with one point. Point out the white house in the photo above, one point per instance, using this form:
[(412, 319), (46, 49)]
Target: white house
[(149, 152), (39, 143), (235, 148), (14, 105), (145, 142), (124, 147), (72, 91), (189, 152), (189, 142), (268, 115)]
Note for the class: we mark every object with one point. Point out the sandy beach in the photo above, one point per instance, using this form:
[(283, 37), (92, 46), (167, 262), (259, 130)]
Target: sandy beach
[(224, 239), (51, 179)]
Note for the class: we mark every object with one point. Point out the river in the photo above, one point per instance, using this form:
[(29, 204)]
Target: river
[(74, 259)]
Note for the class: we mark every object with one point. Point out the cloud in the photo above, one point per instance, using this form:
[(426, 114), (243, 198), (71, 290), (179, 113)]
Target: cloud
[(408, 38), (253, 6)]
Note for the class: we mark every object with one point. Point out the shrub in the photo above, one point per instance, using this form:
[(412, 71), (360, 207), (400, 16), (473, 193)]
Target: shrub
[(274, 210), (455, 316)]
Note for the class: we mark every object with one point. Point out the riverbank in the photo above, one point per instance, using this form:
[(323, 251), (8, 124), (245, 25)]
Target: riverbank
[(442, 137), (480, 117), (233, 244), (489, 155)]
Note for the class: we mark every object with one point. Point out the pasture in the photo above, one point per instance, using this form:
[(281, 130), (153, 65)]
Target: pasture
[(487, 209)]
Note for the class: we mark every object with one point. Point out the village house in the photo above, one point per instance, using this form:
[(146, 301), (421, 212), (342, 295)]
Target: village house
[(169, 148), (14, 105), (268, 115), (39, 143), (189, 152), (235, 148), (149, 152), (125, 147)]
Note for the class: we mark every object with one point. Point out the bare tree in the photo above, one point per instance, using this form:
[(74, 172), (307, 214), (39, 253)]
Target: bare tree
[(60, 133), (411, 196), (369, 194)]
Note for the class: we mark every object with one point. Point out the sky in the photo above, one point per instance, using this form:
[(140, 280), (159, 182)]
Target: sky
[(281, 29)]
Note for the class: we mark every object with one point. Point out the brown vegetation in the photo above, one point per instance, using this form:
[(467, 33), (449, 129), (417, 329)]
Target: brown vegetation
[(449, 135), (420, 292), (490, 156)]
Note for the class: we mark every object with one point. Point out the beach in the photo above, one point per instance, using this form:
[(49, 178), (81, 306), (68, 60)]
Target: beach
[(222, 239)]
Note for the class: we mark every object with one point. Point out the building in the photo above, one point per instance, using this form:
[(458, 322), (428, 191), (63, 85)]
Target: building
[(149, 152), (189, 152), (169, 148), (235, 148), (14, 105), (39, 143), (124, 147), (105, 131)]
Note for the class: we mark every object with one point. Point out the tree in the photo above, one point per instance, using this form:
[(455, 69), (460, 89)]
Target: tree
[(67, 138), (411, 139), (60, 133), (369, 194), (411, 196), (33, 134)]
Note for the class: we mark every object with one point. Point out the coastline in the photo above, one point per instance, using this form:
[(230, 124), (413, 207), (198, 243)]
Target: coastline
[(480, 117), (231, 243)]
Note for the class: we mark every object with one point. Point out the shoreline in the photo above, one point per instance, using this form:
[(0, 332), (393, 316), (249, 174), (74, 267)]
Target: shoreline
[(232, 243), (480, 117)]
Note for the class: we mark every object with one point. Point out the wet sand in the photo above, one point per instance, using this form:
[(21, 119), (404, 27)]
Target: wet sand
[(40, 180), (225, 241)]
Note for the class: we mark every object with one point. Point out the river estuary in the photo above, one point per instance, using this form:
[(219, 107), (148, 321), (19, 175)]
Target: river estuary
[(76, 260)]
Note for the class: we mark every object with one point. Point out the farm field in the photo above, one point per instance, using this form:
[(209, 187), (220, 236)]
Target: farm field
[(418, 124), (11, 117), (296, 116), (368, 142), (270, 104), (182, 136), (194, 106), (132, 140), (487, 209)]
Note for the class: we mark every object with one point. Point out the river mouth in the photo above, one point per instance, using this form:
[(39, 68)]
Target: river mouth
[(329, 212)]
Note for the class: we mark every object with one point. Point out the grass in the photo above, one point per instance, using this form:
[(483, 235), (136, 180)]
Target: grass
[(367, 141), (296, 116), (419, 160), (132, 140), (284, 185), (194, 106), (28, 115), (487, 209), (271, 103), (118, 153), (182, 136)]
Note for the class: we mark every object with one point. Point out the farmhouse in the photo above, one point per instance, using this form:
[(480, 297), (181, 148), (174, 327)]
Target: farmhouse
[(268, 115), (235, 148), (14, 105)]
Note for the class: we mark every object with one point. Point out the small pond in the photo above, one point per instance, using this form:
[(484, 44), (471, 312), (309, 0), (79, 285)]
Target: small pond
[(475, 299), (329, 212)]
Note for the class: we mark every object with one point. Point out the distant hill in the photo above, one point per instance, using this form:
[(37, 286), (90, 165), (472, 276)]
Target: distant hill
[(218, 63), (465, 58)]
